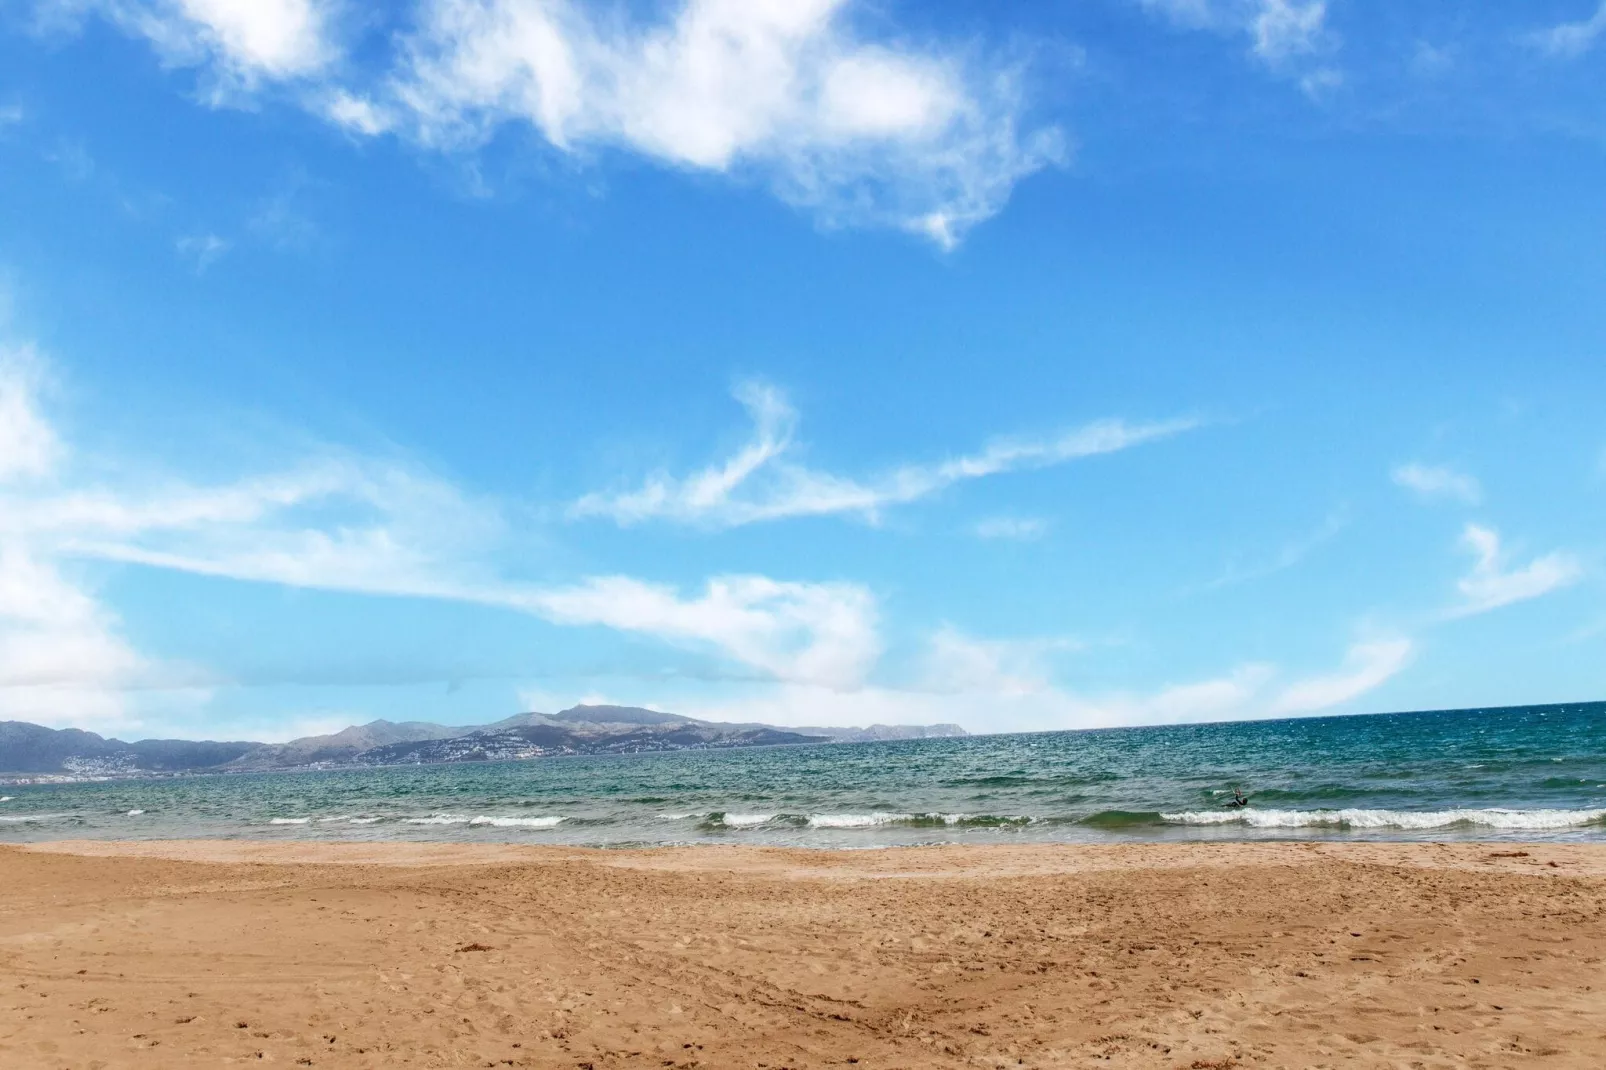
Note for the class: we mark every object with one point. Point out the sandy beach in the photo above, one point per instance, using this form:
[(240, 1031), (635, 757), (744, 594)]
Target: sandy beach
[(177, 954)]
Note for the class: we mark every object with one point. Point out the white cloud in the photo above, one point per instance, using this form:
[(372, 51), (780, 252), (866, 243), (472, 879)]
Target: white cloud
[(759, 482), (1283, 29), (1438, 481), (1491, 584), (201, 250), (1368, 665), (244, 42), (927, 137), (857, 131), (821, 633), (62, 659), (11, 114), (29, 447), (1014, 528), (357, 114), (1569, 40)]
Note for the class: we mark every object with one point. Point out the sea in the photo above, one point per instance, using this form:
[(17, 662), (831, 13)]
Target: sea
[(1524, 773)]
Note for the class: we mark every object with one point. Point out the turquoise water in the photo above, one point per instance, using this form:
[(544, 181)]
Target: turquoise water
[(1521, 773)]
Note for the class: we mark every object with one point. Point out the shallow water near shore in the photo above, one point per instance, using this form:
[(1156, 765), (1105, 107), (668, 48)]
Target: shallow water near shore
[(1523, 773)]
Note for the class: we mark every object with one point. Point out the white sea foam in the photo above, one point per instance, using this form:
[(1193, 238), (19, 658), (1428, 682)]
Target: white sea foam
[(438, 819), (676, 817), (288, 820), (855, 821), (1537, 820), (518, 822), (364, 820), (6, 798), (134, 813), (746, 821), (31, 817)]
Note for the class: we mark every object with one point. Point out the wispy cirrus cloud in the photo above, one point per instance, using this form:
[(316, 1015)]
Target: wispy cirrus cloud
[(1287, 556), (1569, 40), (761, 481), (1492, 583), (1438, 482), (1367, 665), (344, 523)]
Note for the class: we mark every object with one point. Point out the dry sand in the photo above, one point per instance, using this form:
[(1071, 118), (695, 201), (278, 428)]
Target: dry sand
[(1195, 956)]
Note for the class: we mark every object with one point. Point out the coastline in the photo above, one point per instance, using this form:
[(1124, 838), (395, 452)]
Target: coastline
[(189, 953)]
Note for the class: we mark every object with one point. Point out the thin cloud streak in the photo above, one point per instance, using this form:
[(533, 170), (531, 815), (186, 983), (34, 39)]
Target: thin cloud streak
[(1291, 554), (1569, 40), (1491, 584), (759, 483), (1438, 482)]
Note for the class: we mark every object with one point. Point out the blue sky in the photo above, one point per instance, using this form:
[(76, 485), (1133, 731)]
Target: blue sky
[(1026, 366)]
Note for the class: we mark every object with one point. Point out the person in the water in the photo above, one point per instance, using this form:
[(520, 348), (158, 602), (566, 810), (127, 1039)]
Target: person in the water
[(1238, 798)]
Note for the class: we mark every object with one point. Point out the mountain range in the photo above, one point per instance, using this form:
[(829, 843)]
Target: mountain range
[(36, 750)]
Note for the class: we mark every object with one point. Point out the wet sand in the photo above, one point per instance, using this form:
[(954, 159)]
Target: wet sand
[(1193, 956)]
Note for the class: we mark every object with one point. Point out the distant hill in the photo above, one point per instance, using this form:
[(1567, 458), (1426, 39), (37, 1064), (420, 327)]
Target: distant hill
[(340, 747), (29, 749)]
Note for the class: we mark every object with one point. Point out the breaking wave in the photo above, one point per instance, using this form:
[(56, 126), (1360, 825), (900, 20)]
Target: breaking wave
[(1537, 820), (745, 821), (518, 822)]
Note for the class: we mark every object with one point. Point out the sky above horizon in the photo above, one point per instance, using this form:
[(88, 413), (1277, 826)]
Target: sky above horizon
[(1060, 365)]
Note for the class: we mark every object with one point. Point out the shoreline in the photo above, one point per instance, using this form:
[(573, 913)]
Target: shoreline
[(1534, 858), (192, 953)]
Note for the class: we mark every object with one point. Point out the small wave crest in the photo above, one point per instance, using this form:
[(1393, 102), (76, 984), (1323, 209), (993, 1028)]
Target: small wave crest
[(745, 821), (288, 820), (482, 821), (134, 813), (20, 818), (517, 822), (1515, 820)]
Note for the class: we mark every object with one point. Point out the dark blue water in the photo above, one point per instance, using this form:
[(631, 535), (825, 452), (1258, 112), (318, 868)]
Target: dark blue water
[(1520, 773)]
